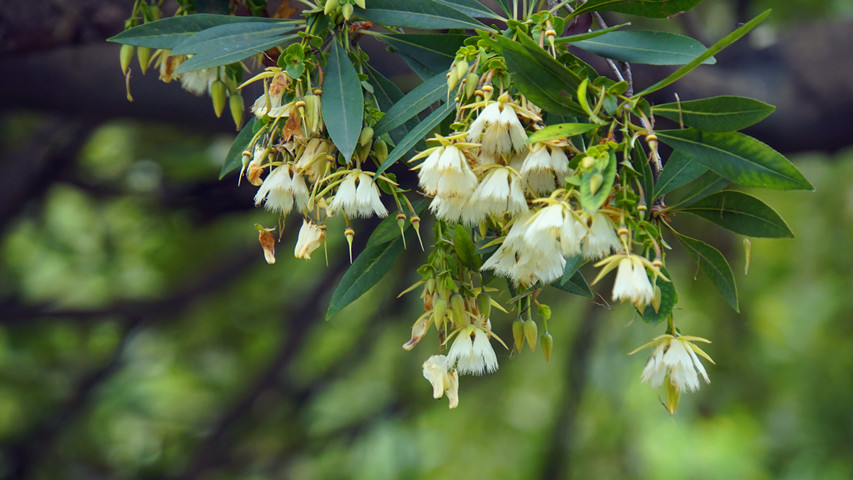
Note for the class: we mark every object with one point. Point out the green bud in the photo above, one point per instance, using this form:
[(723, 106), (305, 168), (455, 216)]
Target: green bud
[(595, 183), (656, 299), (672, 396), (457, 308), (587, 162), (235, 104), (360, 3), (471, 81), (331, 5), (218, 95), (366, 136), (461, 68), (544, 312), (484, 305), (430, 285), (518, 334), (380, 149), (547, 342), (452, 78), (125, 55), (439, 308), (531, 331), (143, 54), (346, 10)]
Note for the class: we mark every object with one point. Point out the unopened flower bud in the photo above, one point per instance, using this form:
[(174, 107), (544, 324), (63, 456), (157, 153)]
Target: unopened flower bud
[(452, 78), (330, 6), (218, 95), (587, 162), (235, 104), (349, 234), (457, 309), (518, 334), (595, 183), (346, 10), (143, 54), (531, 331), (547, 342), (471, 81), (125, 55), (656, 299), (461, 68), (484, 305), (366, 136), (439, 309), (673, 395), (380, 149), (360, 3), (544, 311)]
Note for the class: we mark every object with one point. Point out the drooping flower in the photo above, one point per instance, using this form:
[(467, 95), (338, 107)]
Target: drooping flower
[(358, 196), (279, 191), (499, 193), (310, 238), (197, 82), (444, 379), (601, 237), (497, 130), (544, 168), (524, 261), (632, 283), (445, 173), (556, 221), (472, 352), (675, 358)]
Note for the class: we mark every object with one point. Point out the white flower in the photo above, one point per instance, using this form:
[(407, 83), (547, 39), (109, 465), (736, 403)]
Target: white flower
[(498, 130), (446, 173), (499, 193), (632, 283), (600, 238), (526, 261), (358, 196), (198, 81), (279, 191), (310, 238), (437, 369), (312, 159), (675, 358), (472, 352)]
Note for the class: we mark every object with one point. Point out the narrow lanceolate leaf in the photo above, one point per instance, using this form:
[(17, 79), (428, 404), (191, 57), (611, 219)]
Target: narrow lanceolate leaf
[(714, 265), (234, 158), (653, 48), (472, 8), (416, 134), (716, 114), (541, 78), (561, 130), (387, 94), (712, 50), (737, 157), (366, 271), (668, 299), (434, 51), (576, 285), (588, 35), (643, 8), (342, 102), (413, 103), (423, 14), (168, 32), (679, 170), (223, 36), (741, 213), (230, 44), (707, 185)]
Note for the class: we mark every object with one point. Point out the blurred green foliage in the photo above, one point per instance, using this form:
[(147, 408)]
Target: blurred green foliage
[(340, 398)]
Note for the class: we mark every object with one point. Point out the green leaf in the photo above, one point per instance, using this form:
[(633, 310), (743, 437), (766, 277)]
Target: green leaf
[(737, 157), (465, 249), (708, 184), (588, 35), (573, 264), (413, 103), (387, 94), (434, 51), (590, 201), (678, 171), (716, 114), (422, 14), (576, 285), (714, 265), (713, 50), (471, 7), (416, 134), (647, 178), (668, 299), (234, 158), (643, 8), (653, 48), (231, 43), (366, 271), (538, 76), (168, 32), (561, 130), (342, 103), (741, 213)]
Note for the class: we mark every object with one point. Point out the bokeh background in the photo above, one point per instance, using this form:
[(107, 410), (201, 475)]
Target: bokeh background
[(143, 336)]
